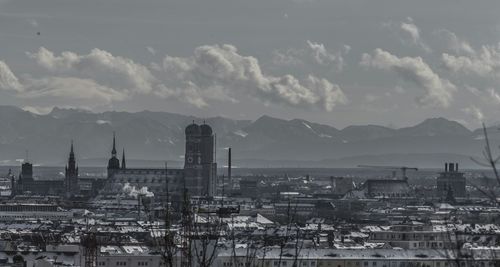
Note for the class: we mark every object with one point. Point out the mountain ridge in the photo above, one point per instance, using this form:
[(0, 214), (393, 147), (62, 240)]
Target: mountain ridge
[(157, 135)]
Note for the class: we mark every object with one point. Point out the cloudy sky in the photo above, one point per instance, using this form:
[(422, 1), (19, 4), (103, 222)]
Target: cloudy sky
[(339, 62)]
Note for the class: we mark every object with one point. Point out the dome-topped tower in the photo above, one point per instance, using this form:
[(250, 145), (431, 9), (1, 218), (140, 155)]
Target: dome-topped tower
[(193, 129), (200, 169), (206, 130)]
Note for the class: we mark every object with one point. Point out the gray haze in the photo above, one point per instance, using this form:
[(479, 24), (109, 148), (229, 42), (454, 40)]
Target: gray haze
[(387, 62)]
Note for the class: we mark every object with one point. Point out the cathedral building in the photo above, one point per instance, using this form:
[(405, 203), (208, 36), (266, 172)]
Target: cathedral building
[(198, 177), (72, 186)]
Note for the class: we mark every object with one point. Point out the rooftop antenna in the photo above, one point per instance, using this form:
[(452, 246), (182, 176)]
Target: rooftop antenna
[(27, 156)]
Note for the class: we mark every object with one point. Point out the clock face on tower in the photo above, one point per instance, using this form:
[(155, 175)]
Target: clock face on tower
[(190, 159)]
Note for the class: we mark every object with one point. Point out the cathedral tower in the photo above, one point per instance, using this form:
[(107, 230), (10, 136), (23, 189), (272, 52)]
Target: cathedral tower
[(71, 177), (199, 166), (114, 162)]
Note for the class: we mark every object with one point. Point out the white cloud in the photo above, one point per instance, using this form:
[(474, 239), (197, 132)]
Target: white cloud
[(38, 110), (438, 91), (9, 81), (411, 29), (454, 43), (408, 29), (474, 112), (70, 88), (484, 62), (57, 88), (100, 66), (323, 57), (290, 57), (313, 53), (223, 68), (493, 95), (213, 73)]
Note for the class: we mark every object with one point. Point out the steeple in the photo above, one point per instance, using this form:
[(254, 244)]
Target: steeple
[(72, 152), (71, 160), (113, 152), (114, 162), (71, 180), (124, 164)]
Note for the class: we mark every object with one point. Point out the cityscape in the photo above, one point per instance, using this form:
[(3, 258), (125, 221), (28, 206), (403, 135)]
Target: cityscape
[(249, 133), (204, 215)]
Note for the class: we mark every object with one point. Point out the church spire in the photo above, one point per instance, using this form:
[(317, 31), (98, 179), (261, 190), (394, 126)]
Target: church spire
[(113, 152), (72, 152), (124, 164), (71, 160)]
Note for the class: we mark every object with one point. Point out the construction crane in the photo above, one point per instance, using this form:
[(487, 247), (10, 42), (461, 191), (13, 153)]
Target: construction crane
[(402, 168)]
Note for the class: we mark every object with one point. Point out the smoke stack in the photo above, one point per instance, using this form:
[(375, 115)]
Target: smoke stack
[(445, 167), (452, 167), (229, 168), (456, 167)]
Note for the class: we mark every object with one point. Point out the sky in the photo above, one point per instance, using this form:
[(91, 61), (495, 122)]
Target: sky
[(337, 62)]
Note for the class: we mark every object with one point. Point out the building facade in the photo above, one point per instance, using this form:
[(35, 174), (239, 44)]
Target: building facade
[(451, 182)]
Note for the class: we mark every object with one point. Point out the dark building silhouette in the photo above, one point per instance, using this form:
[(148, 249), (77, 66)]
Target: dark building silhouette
[(71, 175), (200, 170), (114, 162), (26, 183), (198, 175), (451, 181), (124, 163)]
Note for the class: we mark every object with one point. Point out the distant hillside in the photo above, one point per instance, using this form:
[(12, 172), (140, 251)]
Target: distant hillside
[(158, 136)]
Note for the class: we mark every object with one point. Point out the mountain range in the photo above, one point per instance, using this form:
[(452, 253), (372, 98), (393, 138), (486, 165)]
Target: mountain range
[(150, 138)]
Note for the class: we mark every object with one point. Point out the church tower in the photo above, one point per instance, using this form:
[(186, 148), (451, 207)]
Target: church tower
[(199, 166), (114, 162), (71, 177), (124, 164)]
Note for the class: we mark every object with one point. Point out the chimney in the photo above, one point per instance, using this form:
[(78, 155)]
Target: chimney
[(451, 167), (445, 167), (456, 167), (229, 169)]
